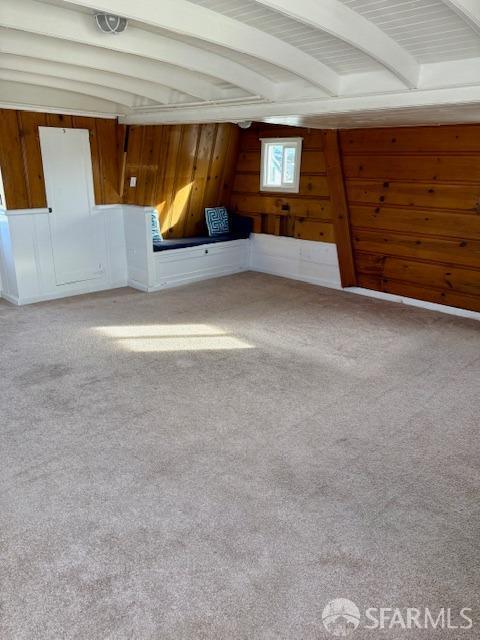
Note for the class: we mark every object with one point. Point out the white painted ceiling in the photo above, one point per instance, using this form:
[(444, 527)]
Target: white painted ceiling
[(321, 63)]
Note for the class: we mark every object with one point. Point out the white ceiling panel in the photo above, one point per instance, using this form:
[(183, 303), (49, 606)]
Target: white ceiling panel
[(332, 51), (428, 29)]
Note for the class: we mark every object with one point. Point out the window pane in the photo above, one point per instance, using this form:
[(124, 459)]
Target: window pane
[(289, 165), (274, 164)]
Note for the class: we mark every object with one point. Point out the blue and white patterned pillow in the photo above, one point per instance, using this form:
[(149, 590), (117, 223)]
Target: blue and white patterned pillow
[(217, 221), (156, 235)]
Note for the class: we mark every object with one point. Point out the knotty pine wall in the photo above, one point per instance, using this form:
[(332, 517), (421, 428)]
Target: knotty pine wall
[(306, 215), (21, 160), (180, 170), (414, 201)]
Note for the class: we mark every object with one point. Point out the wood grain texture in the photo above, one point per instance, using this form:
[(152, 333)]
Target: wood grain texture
[(180, 170), (306, 215), (414, 196), (340, 209), (12, 162), (457, 139), (21, 159)]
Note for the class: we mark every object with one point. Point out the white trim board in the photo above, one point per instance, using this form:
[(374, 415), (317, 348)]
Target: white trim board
[(19, 302), (414, 302)]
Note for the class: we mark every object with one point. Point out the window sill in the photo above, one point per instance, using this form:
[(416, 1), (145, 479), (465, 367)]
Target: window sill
[(279, 190)]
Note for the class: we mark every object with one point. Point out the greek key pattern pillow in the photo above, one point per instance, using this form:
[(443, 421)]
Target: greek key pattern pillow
[(217, 220)]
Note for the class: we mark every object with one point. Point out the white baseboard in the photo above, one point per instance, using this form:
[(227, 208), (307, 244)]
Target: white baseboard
[(57, 296), (183, 280), (135, 284), (414, 302), (10, 298)]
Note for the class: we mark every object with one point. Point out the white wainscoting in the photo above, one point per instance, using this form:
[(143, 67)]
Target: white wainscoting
[(139, 249), (306, 260), (27, 269), (27, 265)]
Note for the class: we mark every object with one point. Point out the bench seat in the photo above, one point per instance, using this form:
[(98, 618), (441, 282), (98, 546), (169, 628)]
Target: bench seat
[(184, 243)]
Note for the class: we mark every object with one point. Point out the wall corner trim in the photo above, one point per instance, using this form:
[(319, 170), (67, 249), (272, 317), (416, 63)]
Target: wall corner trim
[(340, 213)]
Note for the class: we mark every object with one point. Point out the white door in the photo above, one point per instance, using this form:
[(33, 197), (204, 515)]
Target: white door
[(67, 166)]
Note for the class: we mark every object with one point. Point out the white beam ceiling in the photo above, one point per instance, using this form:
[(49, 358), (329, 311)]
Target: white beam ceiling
[(128, 85), (199, 60), (16, 95), (340, 21), (71, 26), (105, 93), (188, 19), (45, 48)]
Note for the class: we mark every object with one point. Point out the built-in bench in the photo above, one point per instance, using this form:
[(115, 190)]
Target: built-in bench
[(168, 263)]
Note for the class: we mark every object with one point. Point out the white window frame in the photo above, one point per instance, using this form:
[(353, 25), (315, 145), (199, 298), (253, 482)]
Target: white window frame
[(286, 142)]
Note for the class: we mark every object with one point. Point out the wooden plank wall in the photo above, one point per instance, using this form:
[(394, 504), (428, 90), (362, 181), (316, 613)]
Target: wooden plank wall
[(21, 161), (414, 199), (306, 215), (180, 170)]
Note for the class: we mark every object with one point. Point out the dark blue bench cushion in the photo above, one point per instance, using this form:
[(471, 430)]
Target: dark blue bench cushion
[(241, 228), (183, 243)]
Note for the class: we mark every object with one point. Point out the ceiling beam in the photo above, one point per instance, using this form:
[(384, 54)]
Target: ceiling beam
[(188, 19), (302, 109), (73, 26), (342, 22), (15, 95), (469, 10), (112, 95), (156, 74), (81, 74)]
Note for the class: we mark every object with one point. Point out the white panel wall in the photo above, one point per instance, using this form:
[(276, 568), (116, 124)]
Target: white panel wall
[(139, 250), (8, 278), (314, 262), (28, 272)]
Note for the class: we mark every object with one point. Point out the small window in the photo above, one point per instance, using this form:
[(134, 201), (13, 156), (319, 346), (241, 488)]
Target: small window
[(280, 170)]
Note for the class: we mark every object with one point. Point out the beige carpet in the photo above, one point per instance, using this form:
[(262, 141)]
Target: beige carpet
[(220, 461)]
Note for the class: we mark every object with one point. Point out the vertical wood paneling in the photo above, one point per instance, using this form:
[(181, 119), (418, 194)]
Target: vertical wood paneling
[(32, 159), (180, 170), (108, 147), (21, 160), (184, 179), (306, 215), (414, 198), (12, 161), (163, 200), (232, 137), (206, 143), (59, 120)]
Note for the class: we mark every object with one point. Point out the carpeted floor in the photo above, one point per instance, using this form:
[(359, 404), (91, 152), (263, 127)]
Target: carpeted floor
[(221, 460)]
